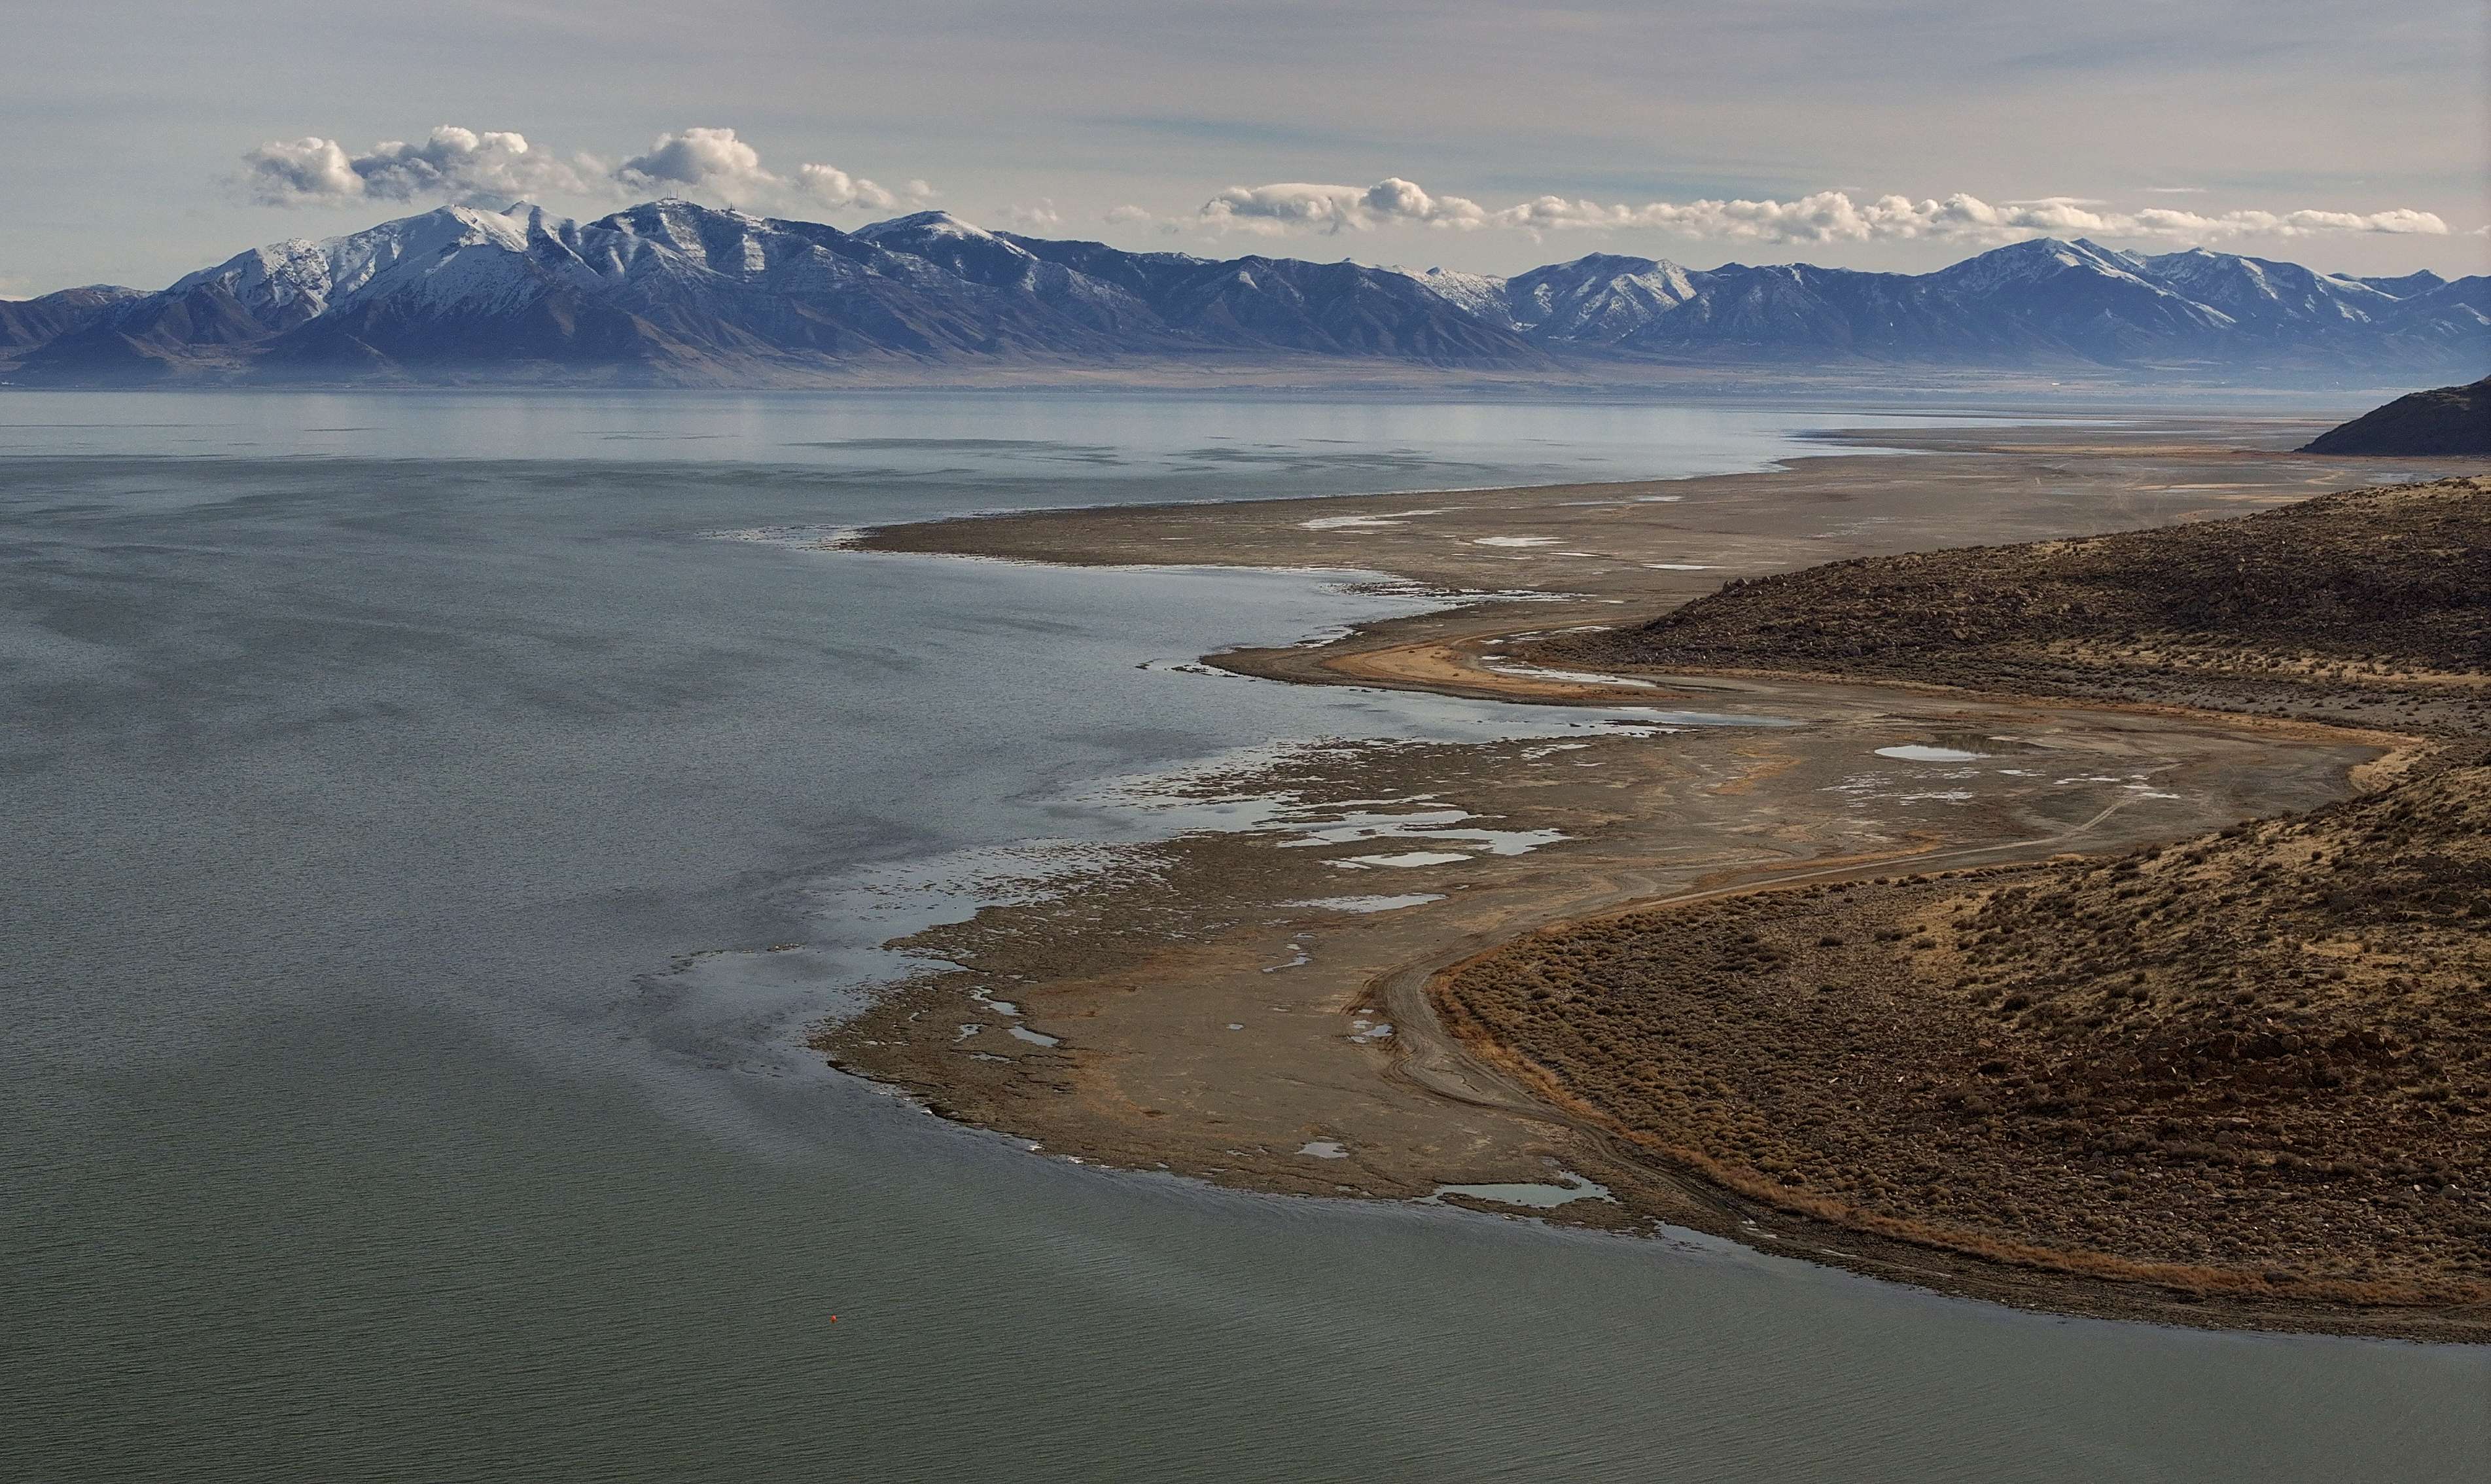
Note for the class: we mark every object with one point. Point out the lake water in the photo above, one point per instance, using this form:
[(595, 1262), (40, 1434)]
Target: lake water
[(371, 762)]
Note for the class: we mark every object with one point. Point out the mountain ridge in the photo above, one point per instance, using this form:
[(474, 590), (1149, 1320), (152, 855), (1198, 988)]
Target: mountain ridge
[(672, 293)]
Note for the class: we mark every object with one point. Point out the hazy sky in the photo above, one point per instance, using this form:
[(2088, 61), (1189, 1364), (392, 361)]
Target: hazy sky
[(147, 137)]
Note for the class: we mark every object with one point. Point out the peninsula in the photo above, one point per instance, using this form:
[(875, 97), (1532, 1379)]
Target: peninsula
[(2090, 920)]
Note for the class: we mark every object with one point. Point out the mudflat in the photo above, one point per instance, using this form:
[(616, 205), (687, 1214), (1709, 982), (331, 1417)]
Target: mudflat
[(1339, 996)]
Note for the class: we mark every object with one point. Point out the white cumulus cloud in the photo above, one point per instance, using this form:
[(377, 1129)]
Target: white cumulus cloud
[(1041, 217), (1272, 210), (715, 163), (699, 160), (453, 163), (832, 187), (467, 167), (1826, 217)]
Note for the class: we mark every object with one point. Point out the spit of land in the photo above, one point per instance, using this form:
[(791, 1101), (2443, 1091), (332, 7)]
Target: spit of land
[(1948, 894)]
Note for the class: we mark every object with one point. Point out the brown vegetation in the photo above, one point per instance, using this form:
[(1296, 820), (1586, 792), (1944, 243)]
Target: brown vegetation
[(2259, 1060), (2374, 602), (2255, 1061)]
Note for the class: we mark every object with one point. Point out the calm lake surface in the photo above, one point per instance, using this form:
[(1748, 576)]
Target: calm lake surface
[(374, 762)]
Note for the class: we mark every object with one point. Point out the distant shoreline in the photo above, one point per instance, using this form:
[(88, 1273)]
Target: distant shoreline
[(1583, 377)]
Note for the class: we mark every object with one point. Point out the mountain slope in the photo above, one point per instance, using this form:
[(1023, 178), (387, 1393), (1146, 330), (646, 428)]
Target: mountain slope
[(2254, 291), (1286, 304), (2037, 302), (26, 323)]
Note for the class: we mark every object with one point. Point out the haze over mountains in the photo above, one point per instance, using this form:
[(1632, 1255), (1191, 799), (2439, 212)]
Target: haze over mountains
[(673, 292)]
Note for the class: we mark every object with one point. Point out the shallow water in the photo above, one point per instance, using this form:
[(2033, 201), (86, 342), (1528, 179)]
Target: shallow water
[(375, 765), (1541, 1197)]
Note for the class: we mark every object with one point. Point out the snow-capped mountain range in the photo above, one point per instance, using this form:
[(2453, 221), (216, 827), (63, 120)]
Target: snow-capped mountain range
[(670, 292)]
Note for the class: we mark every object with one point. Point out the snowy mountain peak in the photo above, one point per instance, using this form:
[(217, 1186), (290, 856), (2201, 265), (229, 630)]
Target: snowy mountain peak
[(2404, 287), (1602, 298), (1474, 293), (2038, 260), (2251, 288), (299, 277), (933, 224)]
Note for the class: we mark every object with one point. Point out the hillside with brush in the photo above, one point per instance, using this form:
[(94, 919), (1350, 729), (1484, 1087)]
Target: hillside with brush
[(2253, 1066), (2256, 1063), (2371, 602)]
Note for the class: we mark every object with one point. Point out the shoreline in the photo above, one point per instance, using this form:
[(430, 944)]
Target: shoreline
[(1128, 1075)]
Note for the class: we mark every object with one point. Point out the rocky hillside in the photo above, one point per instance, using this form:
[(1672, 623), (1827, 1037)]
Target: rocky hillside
[(2447, 421)]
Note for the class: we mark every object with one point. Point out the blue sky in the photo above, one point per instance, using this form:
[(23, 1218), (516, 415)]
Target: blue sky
[(146, 137)]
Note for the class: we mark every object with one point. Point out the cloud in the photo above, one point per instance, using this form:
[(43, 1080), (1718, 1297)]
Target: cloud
[(470, 168), (1129, 216), (711, 160), (832, 187), (1272, 210), (715, 163), (1826, 217), (1041, 217), (455, 164)]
